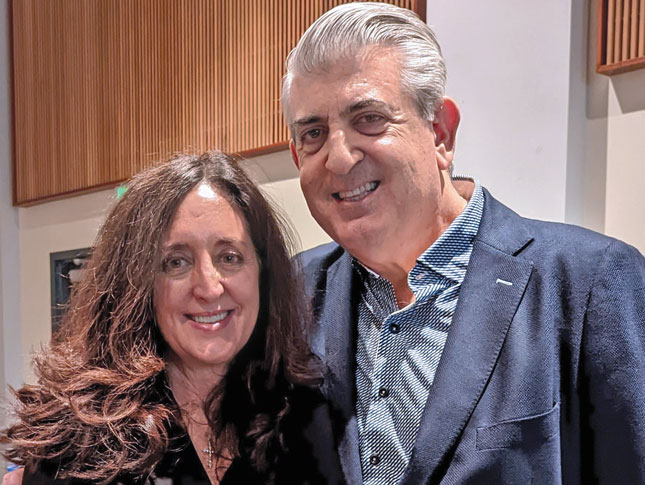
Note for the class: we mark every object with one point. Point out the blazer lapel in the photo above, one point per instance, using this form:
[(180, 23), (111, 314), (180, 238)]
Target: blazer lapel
[(489, 297), (339, 356)]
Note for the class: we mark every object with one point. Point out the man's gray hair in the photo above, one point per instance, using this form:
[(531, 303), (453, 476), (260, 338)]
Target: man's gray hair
[(342, 33)]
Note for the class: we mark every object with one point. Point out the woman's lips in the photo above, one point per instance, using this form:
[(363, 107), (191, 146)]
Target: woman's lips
[(211, 321)]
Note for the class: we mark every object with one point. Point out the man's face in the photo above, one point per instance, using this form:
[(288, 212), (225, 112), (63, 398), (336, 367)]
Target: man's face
[(367, 160)]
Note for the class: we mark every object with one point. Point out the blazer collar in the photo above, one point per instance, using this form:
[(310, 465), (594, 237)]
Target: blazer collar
[(340, 358), (503, 229), (490, 294)]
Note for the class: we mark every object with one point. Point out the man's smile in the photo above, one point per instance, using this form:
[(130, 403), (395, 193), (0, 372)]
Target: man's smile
[(357, 193)]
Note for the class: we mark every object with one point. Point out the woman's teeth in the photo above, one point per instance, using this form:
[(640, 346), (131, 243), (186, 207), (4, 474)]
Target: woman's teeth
[(211, 318)]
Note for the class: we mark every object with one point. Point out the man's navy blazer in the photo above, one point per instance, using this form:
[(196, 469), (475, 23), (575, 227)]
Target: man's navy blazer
[(542, 379)]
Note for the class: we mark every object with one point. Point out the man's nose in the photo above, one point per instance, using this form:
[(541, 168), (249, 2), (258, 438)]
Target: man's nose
[(207, 281), (343, 154)]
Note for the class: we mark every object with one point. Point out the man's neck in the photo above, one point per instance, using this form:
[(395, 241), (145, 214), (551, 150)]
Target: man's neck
[(396, 267)]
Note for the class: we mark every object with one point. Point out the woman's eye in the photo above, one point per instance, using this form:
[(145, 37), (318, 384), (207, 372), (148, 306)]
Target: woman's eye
[(231, 258), (173, 265)]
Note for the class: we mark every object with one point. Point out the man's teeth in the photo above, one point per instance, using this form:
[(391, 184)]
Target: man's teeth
[(211, 318), (358, 193)]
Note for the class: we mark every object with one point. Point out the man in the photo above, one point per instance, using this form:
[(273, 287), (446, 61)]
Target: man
[(463, 343)]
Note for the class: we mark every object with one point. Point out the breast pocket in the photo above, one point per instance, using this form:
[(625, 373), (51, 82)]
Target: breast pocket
[(525, 431)]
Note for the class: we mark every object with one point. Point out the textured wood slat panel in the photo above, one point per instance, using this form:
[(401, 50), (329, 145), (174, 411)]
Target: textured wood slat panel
[(105, 88), (621, 36), (618, 31), (633, 39), (641, 29), (624, 41), (610, 31)]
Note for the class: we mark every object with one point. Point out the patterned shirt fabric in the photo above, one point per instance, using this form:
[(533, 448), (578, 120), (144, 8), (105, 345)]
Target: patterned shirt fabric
[(398, 350)]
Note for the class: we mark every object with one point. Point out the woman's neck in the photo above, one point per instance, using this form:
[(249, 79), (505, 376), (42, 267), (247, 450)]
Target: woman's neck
[(191, 388), (191, 384)]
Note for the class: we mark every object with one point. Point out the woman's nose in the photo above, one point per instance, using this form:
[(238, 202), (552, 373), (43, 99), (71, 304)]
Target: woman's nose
[(207, 281)]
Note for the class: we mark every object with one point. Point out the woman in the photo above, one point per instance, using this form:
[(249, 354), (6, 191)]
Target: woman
[(182, 353)]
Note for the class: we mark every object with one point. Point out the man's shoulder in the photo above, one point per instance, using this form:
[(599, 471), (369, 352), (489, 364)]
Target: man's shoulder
[(318, 263), (565, 235), (319, 258), (500, 222), (555, 248)]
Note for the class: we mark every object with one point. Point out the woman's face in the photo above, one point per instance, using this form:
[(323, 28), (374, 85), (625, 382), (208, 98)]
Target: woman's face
[(207, 291)]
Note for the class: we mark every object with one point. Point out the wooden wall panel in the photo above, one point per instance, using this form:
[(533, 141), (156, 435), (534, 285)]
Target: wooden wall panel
[(621, 36), (105, 88)]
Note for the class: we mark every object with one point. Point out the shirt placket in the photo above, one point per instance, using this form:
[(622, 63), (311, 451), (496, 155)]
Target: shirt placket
[(379, 450), (384, 457)]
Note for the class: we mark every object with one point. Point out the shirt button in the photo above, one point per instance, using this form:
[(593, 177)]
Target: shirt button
[(418, 277), (375, 460), (394, 328), (383, 392)]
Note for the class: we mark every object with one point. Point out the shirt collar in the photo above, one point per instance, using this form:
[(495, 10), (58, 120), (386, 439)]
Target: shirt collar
[(449, 254)]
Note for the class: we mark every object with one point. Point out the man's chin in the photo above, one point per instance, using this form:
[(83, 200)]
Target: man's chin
[(358, 239)]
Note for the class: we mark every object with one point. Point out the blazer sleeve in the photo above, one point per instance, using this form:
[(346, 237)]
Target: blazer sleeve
[(613, 370)]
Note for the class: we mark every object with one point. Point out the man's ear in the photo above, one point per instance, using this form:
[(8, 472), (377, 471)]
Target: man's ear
[(294, 155), (445, 127)]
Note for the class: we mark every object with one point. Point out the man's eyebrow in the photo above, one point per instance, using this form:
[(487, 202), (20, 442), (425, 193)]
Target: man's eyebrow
[(367, 103), (307, 120)]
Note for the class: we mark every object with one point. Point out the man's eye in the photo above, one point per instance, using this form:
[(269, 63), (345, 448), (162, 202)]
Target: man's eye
[(371, 118), (311, 134), (312, 139), (371, 123)]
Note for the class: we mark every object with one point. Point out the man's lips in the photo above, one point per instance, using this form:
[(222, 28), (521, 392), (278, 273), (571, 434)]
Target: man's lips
[(357, 193)]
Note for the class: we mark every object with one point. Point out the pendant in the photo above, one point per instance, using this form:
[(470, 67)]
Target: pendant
[(210, 452)]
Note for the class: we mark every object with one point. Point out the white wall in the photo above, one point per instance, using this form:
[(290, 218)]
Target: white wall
[(278, 177), (625, 209), (9, 247), (546, 134), (508, 69), (615, 144)]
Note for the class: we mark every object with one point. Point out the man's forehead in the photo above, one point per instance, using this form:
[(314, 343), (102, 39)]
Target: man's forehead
[(316, 96), (361, 71)]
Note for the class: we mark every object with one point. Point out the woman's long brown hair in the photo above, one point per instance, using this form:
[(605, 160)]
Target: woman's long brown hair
[(101, 408)]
